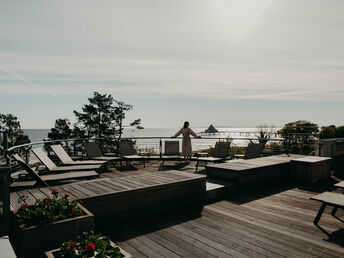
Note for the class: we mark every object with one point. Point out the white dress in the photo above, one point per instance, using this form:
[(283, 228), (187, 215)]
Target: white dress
[(186, 145)]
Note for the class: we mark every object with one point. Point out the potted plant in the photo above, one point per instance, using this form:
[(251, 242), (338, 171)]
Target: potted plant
[(47, 223), (88, 245)]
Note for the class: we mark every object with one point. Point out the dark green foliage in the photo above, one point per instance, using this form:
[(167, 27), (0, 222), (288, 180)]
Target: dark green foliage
[(61, 130), (103, 116), (89, 245), (299, 136), (338, 164), (331, 131), (15, 134), (264, 133), (47, 210)]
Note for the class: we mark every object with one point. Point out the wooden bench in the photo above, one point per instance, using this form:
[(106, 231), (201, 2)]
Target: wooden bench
[(244, 171), (335, 200), (130, 196)]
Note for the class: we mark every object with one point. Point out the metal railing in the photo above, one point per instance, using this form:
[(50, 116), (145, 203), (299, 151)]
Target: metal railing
[(154, 145)]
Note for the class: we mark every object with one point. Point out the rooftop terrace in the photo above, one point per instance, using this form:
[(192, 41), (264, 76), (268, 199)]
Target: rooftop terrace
[(270, 219)]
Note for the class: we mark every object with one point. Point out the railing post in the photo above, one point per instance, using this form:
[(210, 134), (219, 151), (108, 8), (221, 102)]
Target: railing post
[(160, 148), (4, 201), (74, 148)]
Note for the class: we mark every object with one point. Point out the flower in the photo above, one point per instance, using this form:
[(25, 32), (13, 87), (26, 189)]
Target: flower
[(73, 210), (47, 199), (72, 245), (23, 206), (54, 192), (66, 196), (90, 247)]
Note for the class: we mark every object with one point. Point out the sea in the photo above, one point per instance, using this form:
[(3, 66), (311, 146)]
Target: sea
[(238, 136)]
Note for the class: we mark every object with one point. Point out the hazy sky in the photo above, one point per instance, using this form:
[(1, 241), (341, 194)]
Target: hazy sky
[(224, 62)]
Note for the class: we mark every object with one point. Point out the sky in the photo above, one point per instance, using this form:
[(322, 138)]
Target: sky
[(221, 62)]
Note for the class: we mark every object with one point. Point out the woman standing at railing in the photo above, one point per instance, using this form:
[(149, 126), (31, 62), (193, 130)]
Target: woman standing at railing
[(186, 145)]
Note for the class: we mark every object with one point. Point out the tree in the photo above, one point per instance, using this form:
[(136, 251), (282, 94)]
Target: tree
[(98, 116), (15, 134), (264, 133), (300, 135), (328, 132), (331, 131), (61, 130), (120, 111), (104, 116)]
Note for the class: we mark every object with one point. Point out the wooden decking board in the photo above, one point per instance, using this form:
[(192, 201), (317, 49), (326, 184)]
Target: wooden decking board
[(242, 244), (83, 189), (90, 186), (75, 194), (330, 223), (322, 245), (108, 184), (285, 240), (104, 187), (282, 224), (137, 182), (130, 249), (282, 247), (171, 246)]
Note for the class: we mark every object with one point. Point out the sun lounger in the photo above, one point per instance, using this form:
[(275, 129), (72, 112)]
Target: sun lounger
[(42, 180), (335, 200), (253, 150), (50, 165), (128, 152), (93, 152), (67, 160), (220, 153), (171, 152)]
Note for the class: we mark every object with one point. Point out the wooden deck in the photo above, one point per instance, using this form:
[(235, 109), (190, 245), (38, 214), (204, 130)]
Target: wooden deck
[(259, 222), (244, 171), (119, 195)]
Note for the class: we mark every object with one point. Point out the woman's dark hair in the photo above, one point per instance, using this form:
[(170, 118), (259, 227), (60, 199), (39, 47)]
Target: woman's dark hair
[(186, 123)]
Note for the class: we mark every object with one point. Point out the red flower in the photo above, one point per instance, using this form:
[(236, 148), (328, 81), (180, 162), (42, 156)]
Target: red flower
[(54, 192), (73, 210), (66, 196), (23, 206), (72, 245), (90, 247), (47, 199)]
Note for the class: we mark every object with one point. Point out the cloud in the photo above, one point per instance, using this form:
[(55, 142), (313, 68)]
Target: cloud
[(263, 49)]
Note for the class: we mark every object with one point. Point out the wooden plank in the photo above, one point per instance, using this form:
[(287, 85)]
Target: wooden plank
[(329, 248), (84, 190), (108, 183)]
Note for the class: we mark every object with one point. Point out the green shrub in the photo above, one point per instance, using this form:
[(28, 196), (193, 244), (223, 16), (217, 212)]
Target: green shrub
[(89, 245), (338, 164)]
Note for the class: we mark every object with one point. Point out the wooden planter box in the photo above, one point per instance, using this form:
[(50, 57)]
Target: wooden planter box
[(124, 254), (311, 169), (35, 240)]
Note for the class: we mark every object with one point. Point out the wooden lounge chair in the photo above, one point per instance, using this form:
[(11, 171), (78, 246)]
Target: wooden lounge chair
[(42, 180), (335, 200), (93, 152), (171, 152), (67, 160), (253, 150), (50, 165), (220, 153)]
